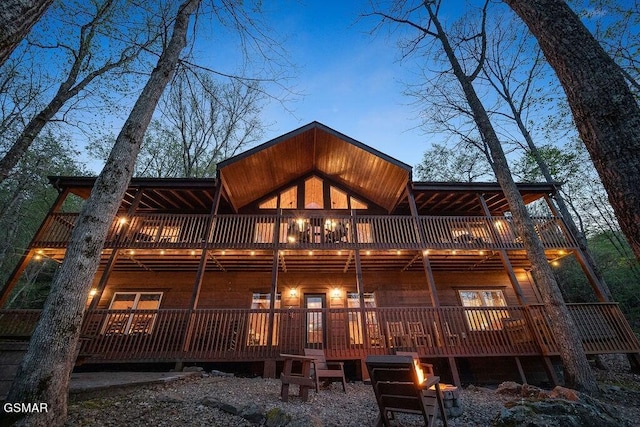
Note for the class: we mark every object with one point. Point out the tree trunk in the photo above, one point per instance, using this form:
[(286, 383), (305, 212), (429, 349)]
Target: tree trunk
[(16, 19), (605, 111), (578, 372), (43, 375)]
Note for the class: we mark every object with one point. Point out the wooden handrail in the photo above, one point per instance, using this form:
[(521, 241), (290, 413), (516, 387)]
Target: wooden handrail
[(313, 231), (240, 334)]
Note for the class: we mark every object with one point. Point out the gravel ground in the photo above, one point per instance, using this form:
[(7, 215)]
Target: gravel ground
[(184, 403)]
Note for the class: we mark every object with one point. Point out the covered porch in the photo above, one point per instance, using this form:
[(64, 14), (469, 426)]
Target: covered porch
[(246, 335)]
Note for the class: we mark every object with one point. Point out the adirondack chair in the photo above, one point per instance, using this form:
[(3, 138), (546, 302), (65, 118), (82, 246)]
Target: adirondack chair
[(326, 370), (398, 388)]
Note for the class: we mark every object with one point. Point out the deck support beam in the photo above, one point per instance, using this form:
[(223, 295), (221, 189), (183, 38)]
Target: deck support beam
[(454, 371), (523, 377), (504, 257), (435, 301), (550, 370), (360, 284), (586, 261), (27, 255), (274, 280)]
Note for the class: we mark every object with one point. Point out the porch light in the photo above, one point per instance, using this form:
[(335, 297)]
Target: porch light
[(562, 252), (310, 253), (398, 252), (368, 253), (339, 252), (193, 253), (555, 263), (293, 292), (454, 252), (481, 252), (425, 252), (122, 220), (253, 253), (93, 292), (162, 252), (37, 257), (224, 252), (336, 293), (291, 239), (132, 252)]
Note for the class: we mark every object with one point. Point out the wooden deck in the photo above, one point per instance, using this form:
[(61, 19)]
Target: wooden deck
[(187, 231), (242, 334)]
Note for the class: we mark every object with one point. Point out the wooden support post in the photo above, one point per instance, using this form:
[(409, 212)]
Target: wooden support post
[(359, 280), (523, 378), (586, 262), (269, 370), (27, 255), (431, 283), (103, 279), (454, 371), (274, 279), (551, 371), (504, 257)]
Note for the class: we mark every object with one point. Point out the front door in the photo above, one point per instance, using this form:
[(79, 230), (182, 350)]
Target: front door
[(315, 319)]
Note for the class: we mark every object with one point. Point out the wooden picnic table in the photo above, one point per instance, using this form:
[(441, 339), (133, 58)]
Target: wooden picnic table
[(303, 379)]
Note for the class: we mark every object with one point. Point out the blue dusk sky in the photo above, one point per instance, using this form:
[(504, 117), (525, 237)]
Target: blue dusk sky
[(349, 79)]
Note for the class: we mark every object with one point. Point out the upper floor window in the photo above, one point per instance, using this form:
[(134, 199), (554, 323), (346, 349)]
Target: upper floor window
[(313, 193)]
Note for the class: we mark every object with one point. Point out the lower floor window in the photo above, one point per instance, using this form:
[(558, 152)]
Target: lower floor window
[(259, 321), (355, 319), (484, 319), (136, 313)]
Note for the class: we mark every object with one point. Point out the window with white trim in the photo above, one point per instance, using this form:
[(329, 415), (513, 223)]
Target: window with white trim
[(134, 313), (484, 319)]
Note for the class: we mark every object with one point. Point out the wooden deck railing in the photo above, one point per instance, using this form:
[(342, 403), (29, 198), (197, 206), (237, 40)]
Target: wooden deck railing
[(242, 334), (311, 231)]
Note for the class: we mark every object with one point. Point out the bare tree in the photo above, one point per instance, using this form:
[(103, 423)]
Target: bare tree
[(82, 72), (604, 109), (43, 375), (504, 62), (578, 372), (16, 19)]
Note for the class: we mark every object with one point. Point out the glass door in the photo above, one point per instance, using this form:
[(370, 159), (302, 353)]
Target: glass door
[(315, 319)]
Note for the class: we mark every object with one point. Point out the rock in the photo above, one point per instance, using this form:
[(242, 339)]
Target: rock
[(527, 413), (528, 390), (217, 373), (170, 397), (509, 387), (252, 413), (560, 392), (192, 369), (212, 402), (306, 421), (276, 417)]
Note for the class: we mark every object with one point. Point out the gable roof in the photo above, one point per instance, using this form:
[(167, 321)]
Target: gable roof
[(314, 147)]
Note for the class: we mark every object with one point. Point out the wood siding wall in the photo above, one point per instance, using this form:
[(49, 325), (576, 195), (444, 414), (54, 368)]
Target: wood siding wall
[(234, 290)]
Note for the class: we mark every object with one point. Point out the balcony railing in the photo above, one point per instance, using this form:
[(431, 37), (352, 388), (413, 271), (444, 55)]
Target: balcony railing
[(243, 334), (309, 231)]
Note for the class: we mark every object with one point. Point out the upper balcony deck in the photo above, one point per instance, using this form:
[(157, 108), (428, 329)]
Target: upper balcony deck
[(309, 231)]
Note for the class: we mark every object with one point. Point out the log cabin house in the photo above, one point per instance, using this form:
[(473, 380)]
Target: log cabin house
[(316, 240)]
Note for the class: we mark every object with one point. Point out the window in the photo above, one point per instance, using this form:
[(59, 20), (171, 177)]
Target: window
[(338, 198), (135, 313), (313, 193), (289, 198), (355, 319), (484, 319), (259, 321)]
